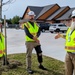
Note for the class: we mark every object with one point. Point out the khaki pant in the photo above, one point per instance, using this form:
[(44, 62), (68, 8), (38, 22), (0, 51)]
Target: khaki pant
[(70, 64), (29, 46)]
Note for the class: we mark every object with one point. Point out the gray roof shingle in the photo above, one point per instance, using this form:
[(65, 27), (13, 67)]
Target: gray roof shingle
[(66, 15), (56, 13), (36, 9), (39, 11), (45, 9)]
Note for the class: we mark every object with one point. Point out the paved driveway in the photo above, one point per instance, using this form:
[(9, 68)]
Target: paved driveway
[(50, 47)]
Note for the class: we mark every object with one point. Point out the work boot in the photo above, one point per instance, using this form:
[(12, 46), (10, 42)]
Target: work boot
[(42, 67), (30, 71)]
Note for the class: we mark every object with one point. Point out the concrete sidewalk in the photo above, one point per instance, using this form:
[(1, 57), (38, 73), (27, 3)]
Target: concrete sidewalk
[(50, 47)]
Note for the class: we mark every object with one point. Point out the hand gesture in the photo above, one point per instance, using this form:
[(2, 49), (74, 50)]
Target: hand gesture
[(58, 36)]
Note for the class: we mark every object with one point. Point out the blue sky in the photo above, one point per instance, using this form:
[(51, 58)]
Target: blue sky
[(18, 6)]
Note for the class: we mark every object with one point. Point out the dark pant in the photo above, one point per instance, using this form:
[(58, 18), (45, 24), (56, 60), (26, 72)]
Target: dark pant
[(5, 62), (39, 53)]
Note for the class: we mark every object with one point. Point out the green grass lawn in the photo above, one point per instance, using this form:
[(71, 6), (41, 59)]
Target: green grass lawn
[(55, 67)]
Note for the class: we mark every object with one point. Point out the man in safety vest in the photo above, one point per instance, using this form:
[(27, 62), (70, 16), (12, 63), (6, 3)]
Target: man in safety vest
[(32, 33), (2, 47), (69, 47)]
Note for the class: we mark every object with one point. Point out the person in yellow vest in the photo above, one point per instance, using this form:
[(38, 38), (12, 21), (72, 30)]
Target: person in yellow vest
[(69, 47), (2, 47), (32, 32)]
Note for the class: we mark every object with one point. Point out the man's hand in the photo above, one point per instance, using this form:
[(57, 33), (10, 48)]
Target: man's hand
[(22, 25), (35, 38), (58, 36)]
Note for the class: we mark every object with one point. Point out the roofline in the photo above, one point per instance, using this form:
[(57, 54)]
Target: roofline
[(49, 9), (25, 12)]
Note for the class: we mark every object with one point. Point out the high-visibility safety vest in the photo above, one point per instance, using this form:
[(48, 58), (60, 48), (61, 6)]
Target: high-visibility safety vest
[(70, 41), (32, 30), (2, 45)]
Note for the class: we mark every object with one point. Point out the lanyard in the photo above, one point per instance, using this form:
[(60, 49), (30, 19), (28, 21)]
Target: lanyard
[(69, 34)]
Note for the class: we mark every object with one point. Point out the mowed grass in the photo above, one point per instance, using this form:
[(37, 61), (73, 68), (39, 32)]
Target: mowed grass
[(55, 67)]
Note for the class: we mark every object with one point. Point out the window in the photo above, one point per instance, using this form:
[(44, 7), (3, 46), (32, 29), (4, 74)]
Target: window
[(61, 25)]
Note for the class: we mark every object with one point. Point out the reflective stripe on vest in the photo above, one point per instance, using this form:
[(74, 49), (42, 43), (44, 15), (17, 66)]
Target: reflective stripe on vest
[(69, 48), (32, 30), (70, 42), (2, 52)]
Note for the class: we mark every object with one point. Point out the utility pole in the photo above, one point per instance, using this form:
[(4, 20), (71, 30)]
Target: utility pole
[(5, 57)]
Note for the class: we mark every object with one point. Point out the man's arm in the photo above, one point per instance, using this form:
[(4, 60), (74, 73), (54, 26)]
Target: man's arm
[(60, 35), (27, 32), (63, 36), (38, 33)]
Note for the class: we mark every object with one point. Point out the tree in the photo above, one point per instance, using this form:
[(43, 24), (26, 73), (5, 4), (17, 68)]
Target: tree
[(8, 21), (15, 20)]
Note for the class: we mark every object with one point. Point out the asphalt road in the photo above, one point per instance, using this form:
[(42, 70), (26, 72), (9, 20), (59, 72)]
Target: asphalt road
[(50, 46)]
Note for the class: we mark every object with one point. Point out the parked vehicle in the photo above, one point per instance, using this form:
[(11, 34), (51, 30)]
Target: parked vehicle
[(44, 26), (16, 26), (58, 27)]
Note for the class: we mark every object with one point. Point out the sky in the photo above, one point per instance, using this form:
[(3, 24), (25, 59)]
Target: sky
[(17, 7)]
